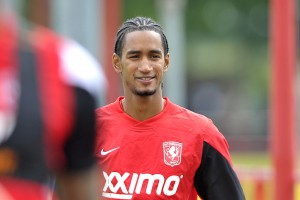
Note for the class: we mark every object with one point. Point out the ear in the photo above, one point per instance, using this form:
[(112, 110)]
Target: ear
[(117, 63), (167, 62)]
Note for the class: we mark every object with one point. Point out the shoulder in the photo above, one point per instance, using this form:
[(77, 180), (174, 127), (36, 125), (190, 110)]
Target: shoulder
[(187, 116), (109, 109), (105, 110), (80, 68), (198, 123), (77, 67)]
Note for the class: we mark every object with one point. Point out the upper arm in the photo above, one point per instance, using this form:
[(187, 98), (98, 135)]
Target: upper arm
[(215, 179)]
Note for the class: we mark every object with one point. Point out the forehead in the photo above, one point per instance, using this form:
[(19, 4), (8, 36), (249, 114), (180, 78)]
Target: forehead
[(139, 40)]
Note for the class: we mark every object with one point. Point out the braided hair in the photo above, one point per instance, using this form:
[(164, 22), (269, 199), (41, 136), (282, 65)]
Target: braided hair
[(139, 24)]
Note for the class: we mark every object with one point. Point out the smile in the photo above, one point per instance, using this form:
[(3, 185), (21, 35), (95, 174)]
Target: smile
[(145, 79)]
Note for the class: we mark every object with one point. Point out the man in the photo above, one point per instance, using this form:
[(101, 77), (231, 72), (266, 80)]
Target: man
[(49, 88), (148, 147)]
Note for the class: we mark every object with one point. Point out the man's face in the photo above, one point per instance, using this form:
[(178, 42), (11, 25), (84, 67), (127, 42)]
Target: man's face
[(142, 63)]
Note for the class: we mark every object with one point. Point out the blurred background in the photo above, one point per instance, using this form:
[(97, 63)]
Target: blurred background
[(220, 64)]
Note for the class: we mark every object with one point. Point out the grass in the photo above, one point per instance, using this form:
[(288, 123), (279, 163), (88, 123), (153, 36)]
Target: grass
[(256, 159), (255, 173)]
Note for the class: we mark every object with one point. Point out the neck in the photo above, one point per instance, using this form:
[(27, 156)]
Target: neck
[(143, 108)]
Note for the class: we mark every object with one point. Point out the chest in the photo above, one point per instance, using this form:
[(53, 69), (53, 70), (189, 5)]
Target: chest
[(156, 160), (151, 147)]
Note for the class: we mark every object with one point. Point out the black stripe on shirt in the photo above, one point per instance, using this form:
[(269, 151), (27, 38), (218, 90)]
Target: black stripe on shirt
[(215, 179)]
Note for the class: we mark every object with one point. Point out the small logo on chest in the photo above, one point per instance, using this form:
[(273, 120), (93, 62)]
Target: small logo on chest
[(172, 153)]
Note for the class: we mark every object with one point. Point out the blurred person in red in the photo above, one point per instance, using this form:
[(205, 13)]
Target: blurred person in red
[(49, 89)]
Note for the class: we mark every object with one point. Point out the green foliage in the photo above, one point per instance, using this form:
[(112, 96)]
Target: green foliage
[(133, 8), (223, 18)]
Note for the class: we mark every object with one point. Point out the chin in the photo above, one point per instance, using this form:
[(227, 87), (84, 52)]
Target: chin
[(145, 92)]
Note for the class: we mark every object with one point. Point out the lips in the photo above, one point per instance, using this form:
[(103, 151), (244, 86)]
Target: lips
[(145, 79)]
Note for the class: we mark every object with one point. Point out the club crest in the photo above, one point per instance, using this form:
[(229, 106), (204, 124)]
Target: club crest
[(172, 153)]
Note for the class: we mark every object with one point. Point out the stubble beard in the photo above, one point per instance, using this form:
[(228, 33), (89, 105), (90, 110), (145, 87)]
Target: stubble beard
[(144, 93)]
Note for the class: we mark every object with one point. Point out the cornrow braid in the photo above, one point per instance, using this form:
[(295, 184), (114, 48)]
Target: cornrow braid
[(139, 24)]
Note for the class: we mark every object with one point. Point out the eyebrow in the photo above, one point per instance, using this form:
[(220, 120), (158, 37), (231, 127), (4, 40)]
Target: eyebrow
[(137, 51), (133, 52), (156, 51)]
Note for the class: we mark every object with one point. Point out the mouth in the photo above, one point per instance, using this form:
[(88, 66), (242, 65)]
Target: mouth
[(145, 79)]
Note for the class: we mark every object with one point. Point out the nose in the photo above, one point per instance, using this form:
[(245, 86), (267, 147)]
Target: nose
[(145, 66)]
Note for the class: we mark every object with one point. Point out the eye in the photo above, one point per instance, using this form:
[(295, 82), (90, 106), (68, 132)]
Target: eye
[(155, 56), (134, 56)]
